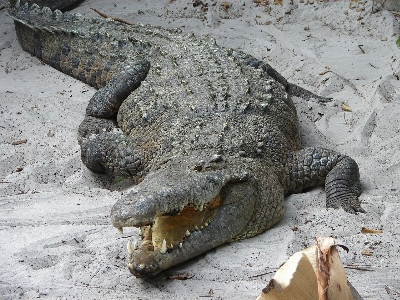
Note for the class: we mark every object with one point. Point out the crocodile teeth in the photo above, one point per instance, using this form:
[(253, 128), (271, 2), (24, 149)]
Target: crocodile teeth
[(187, 233), (35, 9), (180, 245), (196, 228), (57, 15), (163, 249), (201, 207), (46, 13), (129, 247)]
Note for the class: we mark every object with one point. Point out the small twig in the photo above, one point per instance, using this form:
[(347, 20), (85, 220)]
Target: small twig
[(109, 17), (362, 50), (357, 268), (373, 66), (259, 275), (180, 276), (125, 236), (19, 142)]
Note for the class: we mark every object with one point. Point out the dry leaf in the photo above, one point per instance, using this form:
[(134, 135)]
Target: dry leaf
[(345, 107), (313, 273), (366, 252)]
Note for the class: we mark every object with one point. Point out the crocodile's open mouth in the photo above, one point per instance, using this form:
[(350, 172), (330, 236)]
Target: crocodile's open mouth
[(181, 214), (170, 230)]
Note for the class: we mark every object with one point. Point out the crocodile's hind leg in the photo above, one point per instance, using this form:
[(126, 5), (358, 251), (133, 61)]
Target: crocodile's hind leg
[(104, 148), (291, 89), (316, 166)]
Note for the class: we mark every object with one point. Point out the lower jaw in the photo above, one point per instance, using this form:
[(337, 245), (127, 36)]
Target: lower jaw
[(143, 262)]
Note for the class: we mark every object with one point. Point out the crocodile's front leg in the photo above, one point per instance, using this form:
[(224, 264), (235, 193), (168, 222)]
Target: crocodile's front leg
[(315, 166), (105, 149)]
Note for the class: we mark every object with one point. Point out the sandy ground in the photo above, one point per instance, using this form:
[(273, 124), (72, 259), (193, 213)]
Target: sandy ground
[(56, 240)]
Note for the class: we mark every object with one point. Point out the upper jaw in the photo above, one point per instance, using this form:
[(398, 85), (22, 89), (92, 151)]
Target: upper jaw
[(166, 192)]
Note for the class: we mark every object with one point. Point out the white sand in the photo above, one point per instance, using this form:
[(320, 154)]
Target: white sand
[(56, 240)]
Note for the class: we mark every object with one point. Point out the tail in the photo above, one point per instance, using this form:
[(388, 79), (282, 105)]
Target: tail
[(33, 24), (58, 39)]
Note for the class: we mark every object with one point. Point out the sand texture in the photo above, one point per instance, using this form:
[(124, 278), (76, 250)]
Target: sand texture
[(56, 239)]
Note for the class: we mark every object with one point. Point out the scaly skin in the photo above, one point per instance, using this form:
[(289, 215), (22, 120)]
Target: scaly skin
[(210, 133)]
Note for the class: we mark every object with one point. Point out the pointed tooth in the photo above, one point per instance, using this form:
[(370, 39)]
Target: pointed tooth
[(121, 230), (58, 15), (196, 228), (46, 13), (201, 227), (163, 249), (35, 9), (187, 233), (130, 265), (172, 246), (180, 245), (201, 207), (140, 231), (129, 247), (205, 224)]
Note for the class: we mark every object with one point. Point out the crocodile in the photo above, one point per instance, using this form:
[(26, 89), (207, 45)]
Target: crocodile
[(209, 135)]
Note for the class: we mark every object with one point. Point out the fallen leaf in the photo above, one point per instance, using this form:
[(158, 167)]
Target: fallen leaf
[(345, 107), (366, 252), (313, 273)]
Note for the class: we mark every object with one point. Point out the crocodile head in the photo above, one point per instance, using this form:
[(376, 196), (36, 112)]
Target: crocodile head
[(183, 212)]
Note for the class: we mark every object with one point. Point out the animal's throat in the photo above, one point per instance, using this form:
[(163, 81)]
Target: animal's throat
[(171, 231)]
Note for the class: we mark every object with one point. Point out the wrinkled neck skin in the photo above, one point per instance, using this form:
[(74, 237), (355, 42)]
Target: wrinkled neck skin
[(202, 206)]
